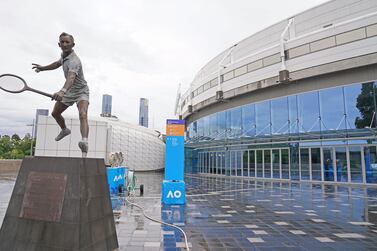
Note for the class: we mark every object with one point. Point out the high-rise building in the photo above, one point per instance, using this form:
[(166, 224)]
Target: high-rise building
[(143, 112), (106, 105), (43, 112)]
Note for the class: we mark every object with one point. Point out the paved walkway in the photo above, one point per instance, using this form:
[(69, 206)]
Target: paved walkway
[(234, 214)]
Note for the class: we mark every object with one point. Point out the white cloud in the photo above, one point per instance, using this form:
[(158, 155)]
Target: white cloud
[(129, 49)]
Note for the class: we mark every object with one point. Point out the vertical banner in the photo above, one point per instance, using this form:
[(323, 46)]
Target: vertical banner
[(173, 186), (174, 161)]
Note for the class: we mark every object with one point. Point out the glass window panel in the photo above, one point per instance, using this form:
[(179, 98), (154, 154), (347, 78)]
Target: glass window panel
[(360, 105), (200, 89), (262, 117), (308, 112), (239, 163), (316, 163), (221, 120), (214, 164), (304, 158), (294, 161), (207, 86), (236, 125), (293, 113), (332, 109), (223, 168), (200, 128), (267, 163), (218, 163), (206, 131), (213, 126), (227, 163), (252, 163), (276, 163), (245, 161), (259, 163), (341, 164), (285, 163), (328, 164), (232, 164), (228, 117), (355, 164), (204, 161), (199, 162), (248, 120), (211, 162), (214, 82), (279, 116), (370, 158)]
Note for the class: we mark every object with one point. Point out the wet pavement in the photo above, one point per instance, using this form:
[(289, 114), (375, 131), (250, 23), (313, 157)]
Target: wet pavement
[(224, 213)]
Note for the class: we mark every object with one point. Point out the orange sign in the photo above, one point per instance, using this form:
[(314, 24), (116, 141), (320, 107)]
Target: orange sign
[(175, 130)]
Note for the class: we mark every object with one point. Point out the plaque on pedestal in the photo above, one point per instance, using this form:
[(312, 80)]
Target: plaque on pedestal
[(59, 204)]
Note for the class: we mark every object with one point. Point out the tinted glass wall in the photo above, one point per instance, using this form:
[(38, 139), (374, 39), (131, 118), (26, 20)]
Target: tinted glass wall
[(324, 112), (339, 115)]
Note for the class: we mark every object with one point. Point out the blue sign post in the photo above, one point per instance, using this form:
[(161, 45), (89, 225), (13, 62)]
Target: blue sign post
[(173, 186)]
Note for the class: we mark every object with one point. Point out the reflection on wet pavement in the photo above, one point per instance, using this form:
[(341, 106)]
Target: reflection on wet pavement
[(224, 213)]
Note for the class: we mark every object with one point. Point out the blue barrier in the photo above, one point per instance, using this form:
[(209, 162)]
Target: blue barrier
[(115, 179)]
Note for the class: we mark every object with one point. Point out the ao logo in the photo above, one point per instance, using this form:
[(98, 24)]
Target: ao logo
[(116, 178), (176, 194)]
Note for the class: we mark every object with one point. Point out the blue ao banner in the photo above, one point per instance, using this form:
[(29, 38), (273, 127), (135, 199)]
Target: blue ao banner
[(174, 161), (173, 186)]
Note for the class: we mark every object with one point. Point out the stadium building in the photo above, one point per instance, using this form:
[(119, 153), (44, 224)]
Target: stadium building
[(295, 101), (142, 148)]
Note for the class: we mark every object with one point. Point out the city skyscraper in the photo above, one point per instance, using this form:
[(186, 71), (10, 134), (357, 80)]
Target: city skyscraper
[(43, 112), (106, 105), (143, 112)]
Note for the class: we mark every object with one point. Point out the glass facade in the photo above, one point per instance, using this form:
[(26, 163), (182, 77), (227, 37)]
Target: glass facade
[(324, 135)]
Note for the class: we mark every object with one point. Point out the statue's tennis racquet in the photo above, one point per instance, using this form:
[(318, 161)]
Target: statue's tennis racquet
[(15, 84)]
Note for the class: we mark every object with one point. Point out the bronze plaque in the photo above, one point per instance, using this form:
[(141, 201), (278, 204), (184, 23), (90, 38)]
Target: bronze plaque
[(44, 196)]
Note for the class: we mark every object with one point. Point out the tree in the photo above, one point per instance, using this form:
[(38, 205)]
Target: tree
[(15, 137), (14, 147), (366, 104)]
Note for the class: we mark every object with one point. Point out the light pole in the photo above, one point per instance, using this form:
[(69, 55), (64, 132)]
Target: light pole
[(32, 137)]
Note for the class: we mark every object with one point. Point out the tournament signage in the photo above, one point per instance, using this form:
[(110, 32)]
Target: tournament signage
[(173, 186)]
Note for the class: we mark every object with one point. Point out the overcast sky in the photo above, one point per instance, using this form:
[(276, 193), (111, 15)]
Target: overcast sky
[(129, 49)]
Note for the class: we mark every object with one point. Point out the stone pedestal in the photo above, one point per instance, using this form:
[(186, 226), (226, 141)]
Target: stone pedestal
[(59, 203)]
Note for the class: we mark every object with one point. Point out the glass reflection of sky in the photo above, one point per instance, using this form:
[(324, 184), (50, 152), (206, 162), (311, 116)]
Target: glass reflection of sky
[(325, 110)]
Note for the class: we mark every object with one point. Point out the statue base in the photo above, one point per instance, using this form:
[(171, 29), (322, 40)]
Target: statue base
[(59, 203)]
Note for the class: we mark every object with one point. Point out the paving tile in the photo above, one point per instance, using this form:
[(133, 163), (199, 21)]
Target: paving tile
[(318, 220), (284, 212), (221, 215), (298, 232), (259, 232), (311, 214), (183, 245), (152, 244), (282, 223), (361, 223), (223, 221), (255, 240), (350, 235), (324, 239)]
